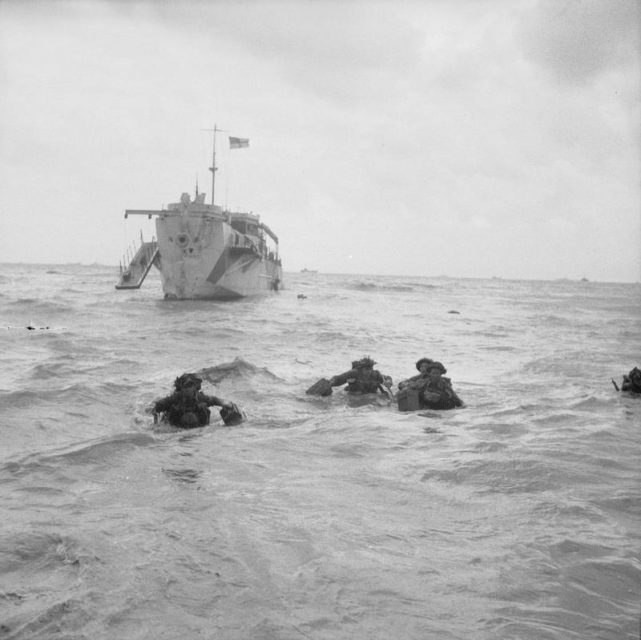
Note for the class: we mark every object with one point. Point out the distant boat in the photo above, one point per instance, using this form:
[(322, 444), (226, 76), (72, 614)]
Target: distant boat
[(205, 252), (584, 280), (308, 271)]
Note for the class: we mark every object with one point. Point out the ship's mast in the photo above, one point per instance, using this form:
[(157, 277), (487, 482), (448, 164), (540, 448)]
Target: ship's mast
[(213, 168)]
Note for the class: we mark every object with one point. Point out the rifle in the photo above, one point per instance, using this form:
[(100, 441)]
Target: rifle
[(615, 384), (386, 391)]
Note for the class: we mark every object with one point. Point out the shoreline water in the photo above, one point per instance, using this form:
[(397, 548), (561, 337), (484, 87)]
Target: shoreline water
[(516, 516)]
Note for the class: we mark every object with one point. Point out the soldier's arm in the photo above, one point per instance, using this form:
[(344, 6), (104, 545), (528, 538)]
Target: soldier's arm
[(213, 401), (164, 404), (457, 401), (449, 391), (342, 378), (417, 382)]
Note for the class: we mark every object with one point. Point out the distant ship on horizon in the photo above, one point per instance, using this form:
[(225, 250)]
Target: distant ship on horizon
[(308, 270), (204, 251)]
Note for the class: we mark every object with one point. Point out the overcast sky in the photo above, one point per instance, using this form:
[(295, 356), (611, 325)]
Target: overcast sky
[(431, 137)]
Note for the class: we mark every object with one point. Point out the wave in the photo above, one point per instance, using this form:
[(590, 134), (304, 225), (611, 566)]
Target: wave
[(238, 368), (55, 563), (558, 365), (239, 381), (43, 549), (56, 369), (67, 395), (515, 475), (571, 322), (38, 305), (391, 288), (20, 399), (100, 451)]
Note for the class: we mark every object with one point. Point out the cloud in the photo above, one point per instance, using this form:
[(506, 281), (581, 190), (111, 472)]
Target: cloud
[(341, 53), (417, 137), (576, 40)]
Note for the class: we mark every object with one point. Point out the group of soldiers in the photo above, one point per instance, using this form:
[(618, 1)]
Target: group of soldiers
[(188, 407), (430, 389)]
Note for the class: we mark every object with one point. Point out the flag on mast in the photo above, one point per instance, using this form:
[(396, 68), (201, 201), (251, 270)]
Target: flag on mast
[(238, 143)]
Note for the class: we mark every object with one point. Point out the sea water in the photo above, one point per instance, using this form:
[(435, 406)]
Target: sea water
[(517, 516)]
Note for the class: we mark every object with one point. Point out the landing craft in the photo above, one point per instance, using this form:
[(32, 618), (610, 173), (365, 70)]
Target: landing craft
[(204, 251)]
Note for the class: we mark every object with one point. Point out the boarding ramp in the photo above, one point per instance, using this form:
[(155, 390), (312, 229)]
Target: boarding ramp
[(133, 275)]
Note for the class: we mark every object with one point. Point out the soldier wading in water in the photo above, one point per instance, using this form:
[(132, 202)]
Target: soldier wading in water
[(361, 378), (631, 382), (428, 390), (188, 407)]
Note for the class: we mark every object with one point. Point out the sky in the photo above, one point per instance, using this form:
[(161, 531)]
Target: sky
[(467, 138)]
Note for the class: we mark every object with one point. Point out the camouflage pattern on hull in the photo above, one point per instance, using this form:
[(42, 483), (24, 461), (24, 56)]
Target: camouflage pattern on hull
[(204, 253)]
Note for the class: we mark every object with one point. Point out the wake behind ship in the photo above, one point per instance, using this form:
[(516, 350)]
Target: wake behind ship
[(205, 252)]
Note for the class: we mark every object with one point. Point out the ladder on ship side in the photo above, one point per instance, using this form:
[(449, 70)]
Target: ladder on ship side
[(133, 275)]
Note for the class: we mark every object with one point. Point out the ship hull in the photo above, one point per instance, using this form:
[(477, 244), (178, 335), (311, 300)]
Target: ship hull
[(203, 257)]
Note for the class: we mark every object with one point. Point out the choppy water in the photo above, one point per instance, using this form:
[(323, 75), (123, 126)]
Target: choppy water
[(516, 517)]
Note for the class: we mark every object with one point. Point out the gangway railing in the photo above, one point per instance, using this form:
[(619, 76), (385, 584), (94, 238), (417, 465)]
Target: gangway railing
[(137, 267)]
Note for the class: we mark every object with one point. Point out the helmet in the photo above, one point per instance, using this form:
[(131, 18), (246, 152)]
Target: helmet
[(366, 361), (423, 360), (187, 379)]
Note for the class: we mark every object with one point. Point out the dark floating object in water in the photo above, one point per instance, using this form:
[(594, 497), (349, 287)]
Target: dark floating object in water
[(408, 400), (231, 415), (301, 296), (30, 328), (454, 311), (320, 388)]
